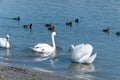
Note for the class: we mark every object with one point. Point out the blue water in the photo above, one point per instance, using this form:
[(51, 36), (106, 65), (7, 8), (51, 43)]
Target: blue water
[(94, 16)]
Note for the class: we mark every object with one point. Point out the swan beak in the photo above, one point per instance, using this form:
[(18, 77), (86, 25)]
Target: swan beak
[(70, 49), (7, 39)]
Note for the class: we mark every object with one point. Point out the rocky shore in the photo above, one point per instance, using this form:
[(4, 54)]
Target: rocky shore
[(16, 73)]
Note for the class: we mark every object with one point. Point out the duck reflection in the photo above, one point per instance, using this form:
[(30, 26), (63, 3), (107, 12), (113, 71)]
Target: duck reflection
[(82, 67)]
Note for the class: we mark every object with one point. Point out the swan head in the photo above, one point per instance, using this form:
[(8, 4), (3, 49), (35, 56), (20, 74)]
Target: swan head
[(7, 37), (54, 33), (71, 48)]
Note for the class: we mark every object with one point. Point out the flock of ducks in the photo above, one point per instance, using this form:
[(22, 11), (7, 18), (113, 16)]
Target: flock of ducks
[(51, 27), (81, 53), (70, 23)]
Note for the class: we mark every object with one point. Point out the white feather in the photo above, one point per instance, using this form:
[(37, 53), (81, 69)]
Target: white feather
[(82, 53), (4, 42), (45, 48)]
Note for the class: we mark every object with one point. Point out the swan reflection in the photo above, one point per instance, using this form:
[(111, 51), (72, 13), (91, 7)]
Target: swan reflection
[(7, 53), (82, 67), (44, 56)]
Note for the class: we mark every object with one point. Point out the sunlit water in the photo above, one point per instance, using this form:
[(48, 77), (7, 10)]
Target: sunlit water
[(94, 16)]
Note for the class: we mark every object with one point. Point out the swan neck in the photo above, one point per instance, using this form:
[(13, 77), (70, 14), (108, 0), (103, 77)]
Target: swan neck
[(53, 41), (7, 45)]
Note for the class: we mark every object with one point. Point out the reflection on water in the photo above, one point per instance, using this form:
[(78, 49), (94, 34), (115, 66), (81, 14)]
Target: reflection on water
[(44, 56), (41, 59), (83, 71), (82, 67), (7, 53)]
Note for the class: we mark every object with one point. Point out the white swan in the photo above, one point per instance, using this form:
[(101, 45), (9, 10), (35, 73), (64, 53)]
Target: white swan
[(82, 53), (4, 42), (45, 48)]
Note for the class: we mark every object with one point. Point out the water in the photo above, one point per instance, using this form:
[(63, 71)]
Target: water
[(94, 16)]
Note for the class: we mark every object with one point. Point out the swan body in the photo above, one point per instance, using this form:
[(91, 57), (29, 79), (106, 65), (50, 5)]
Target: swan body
[(4, 42), (82, 53), (45, 48)]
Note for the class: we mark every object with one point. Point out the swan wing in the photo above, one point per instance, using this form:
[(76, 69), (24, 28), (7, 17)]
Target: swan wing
[(2, 42), (77, 56), (91, 58), (78, 48), (82, 50), (43, 45), (81, 53), (87, 48), (86, 59), (36, 49)]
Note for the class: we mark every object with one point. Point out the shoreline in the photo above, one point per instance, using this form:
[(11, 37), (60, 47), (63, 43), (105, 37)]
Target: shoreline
[(16, 73)]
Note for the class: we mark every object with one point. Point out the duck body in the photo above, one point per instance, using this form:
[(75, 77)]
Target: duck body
[(118, 33), (18, 18), (28, 26), (49, 25), (106, 30), (69, 23), (82, 53), (51, 28), (77, 20)]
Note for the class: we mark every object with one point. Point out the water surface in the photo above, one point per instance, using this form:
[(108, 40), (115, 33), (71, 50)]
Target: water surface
[(94, 16)]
